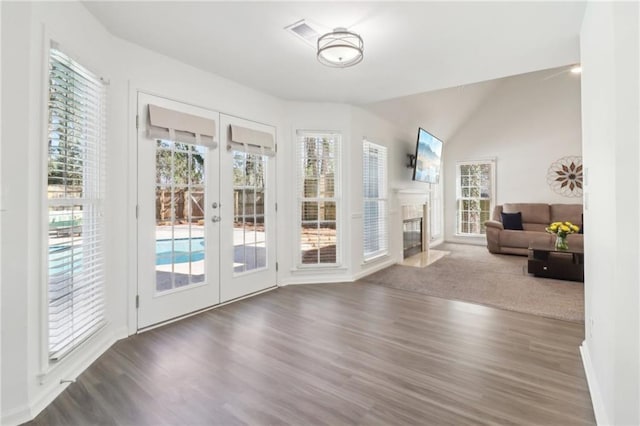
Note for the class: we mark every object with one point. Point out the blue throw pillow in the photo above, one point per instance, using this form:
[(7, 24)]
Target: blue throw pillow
[(512, 221)]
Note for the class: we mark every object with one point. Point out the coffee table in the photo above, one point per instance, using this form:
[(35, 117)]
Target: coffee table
[(547, 262)]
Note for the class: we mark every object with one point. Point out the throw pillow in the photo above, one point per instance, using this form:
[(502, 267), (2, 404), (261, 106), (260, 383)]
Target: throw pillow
[(512, 221)]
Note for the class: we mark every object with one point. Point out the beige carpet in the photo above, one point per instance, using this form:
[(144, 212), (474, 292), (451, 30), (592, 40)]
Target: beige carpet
[(472, 274)]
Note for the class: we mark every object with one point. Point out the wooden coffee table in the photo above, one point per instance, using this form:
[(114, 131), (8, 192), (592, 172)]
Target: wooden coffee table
[(547, 262)]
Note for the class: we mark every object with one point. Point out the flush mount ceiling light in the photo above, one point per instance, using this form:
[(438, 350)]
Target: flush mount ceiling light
[(340, 48)]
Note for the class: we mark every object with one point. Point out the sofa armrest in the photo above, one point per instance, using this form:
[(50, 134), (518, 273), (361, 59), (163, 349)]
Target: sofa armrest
[(494, 228), (494, 224)]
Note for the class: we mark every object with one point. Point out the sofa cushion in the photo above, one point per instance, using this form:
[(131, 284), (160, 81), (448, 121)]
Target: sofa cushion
[(531, 212), (523, 238), (512, 221), (566, 213), (539, 227)]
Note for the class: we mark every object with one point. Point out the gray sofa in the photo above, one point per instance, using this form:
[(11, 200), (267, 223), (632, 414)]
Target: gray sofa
[(535, 218)]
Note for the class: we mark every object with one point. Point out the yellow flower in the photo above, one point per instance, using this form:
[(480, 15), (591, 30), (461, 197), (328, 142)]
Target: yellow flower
[(574, 228), (565, 228)]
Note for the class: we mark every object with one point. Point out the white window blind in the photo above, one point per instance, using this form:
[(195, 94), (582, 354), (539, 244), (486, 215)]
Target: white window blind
[(75, 192), (374, 175), (318, 197), (475, 189)]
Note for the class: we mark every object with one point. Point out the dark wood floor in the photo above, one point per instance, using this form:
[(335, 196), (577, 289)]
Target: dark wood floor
[(337, 354)]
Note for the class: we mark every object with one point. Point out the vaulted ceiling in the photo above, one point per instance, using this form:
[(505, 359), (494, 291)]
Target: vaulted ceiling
[(410, 47)]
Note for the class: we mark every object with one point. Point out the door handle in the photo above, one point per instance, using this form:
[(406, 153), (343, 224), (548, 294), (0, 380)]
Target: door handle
[(214, 205), (215, 219)]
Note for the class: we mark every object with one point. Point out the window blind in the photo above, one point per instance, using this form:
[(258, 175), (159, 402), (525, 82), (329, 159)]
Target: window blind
[(75, 192), (375, 203), (318, 197)]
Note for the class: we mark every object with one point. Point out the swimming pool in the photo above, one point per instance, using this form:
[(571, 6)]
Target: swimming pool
[(183, 250), (63, 258)]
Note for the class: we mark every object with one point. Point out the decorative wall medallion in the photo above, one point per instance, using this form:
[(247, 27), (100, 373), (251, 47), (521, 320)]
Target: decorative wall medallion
[(565, 176)]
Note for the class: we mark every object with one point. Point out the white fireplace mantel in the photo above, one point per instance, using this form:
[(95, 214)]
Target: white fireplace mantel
[(407, 196)]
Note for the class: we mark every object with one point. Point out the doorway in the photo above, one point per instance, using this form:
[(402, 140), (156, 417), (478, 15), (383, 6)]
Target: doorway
[(205, 210)]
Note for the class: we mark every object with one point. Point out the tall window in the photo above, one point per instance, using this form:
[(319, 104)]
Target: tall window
[(75, 190), (318, 195), (374, 173), (475, 195)]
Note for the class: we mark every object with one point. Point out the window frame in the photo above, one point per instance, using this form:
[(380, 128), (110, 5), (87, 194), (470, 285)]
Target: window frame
[(337, 196), (383, 197), (492, 198)]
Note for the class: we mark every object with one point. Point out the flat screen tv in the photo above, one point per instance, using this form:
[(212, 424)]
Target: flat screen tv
[(428, 157)]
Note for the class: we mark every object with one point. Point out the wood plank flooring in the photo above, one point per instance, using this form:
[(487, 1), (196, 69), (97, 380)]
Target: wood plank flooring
[(337, 354)]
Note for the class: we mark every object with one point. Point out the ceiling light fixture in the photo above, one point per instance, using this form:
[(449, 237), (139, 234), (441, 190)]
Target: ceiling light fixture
[(340, 48), (577, 69)]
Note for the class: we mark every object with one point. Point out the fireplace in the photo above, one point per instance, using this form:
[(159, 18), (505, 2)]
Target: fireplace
[(414, 218), (414, 236)]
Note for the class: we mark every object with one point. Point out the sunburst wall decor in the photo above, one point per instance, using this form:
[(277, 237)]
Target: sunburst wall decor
[(565, 176)]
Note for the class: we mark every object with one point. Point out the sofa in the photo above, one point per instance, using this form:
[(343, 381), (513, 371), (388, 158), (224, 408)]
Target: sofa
[(535, 218)]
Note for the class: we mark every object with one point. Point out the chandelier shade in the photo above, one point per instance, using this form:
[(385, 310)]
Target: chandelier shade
[(340, 48)]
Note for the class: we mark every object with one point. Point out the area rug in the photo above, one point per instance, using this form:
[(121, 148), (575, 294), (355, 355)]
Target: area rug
[(472, 274)]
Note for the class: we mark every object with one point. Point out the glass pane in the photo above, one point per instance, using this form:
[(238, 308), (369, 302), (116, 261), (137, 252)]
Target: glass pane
[(310, 188), (309, 210), (309, 242), (327, 210), (180, 207), (327, 242)]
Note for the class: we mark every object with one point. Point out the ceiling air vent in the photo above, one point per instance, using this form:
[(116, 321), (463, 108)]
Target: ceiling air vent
[(306, 31)]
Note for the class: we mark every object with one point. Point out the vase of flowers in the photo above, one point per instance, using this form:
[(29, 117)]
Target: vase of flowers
[(561, 230)]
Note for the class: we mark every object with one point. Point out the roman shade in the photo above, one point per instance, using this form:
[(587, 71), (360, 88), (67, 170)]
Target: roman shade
[(181, 127), (249, 140)]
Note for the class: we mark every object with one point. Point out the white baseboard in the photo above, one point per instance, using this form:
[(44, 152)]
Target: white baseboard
[(300, 280), (50, 386), (319, 278), (375, 267), (594, 389)]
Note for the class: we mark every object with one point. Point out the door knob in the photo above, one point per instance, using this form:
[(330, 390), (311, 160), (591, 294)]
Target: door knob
[(215, 219), (214, 205)]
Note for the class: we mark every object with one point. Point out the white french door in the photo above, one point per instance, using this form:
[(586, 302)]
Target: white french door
[(248, 211), (178, 215), (206, 212)]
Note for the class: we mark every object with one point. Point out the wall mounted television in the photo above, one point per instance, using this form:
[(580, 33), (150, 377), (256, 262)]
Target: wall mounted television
[(428, 158)]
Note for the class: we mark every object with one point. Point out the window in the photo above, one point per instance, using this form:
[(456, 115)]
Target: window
[(249, 225), (318, 194), (475, 196), (75, 192), (374, 174)]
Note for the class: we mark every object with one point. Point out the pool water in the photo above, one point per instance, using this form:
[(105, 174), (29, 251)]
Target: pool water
[(183, 250)]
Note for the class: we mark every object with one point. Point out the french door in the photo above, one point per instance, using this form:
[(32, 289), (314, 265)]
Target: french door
[(248, 252), (178, 227), (206, 211)]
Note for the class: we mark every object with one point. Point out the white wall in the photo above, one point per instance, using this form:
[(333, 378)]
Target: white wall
[(610, 108), (526, 123)]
